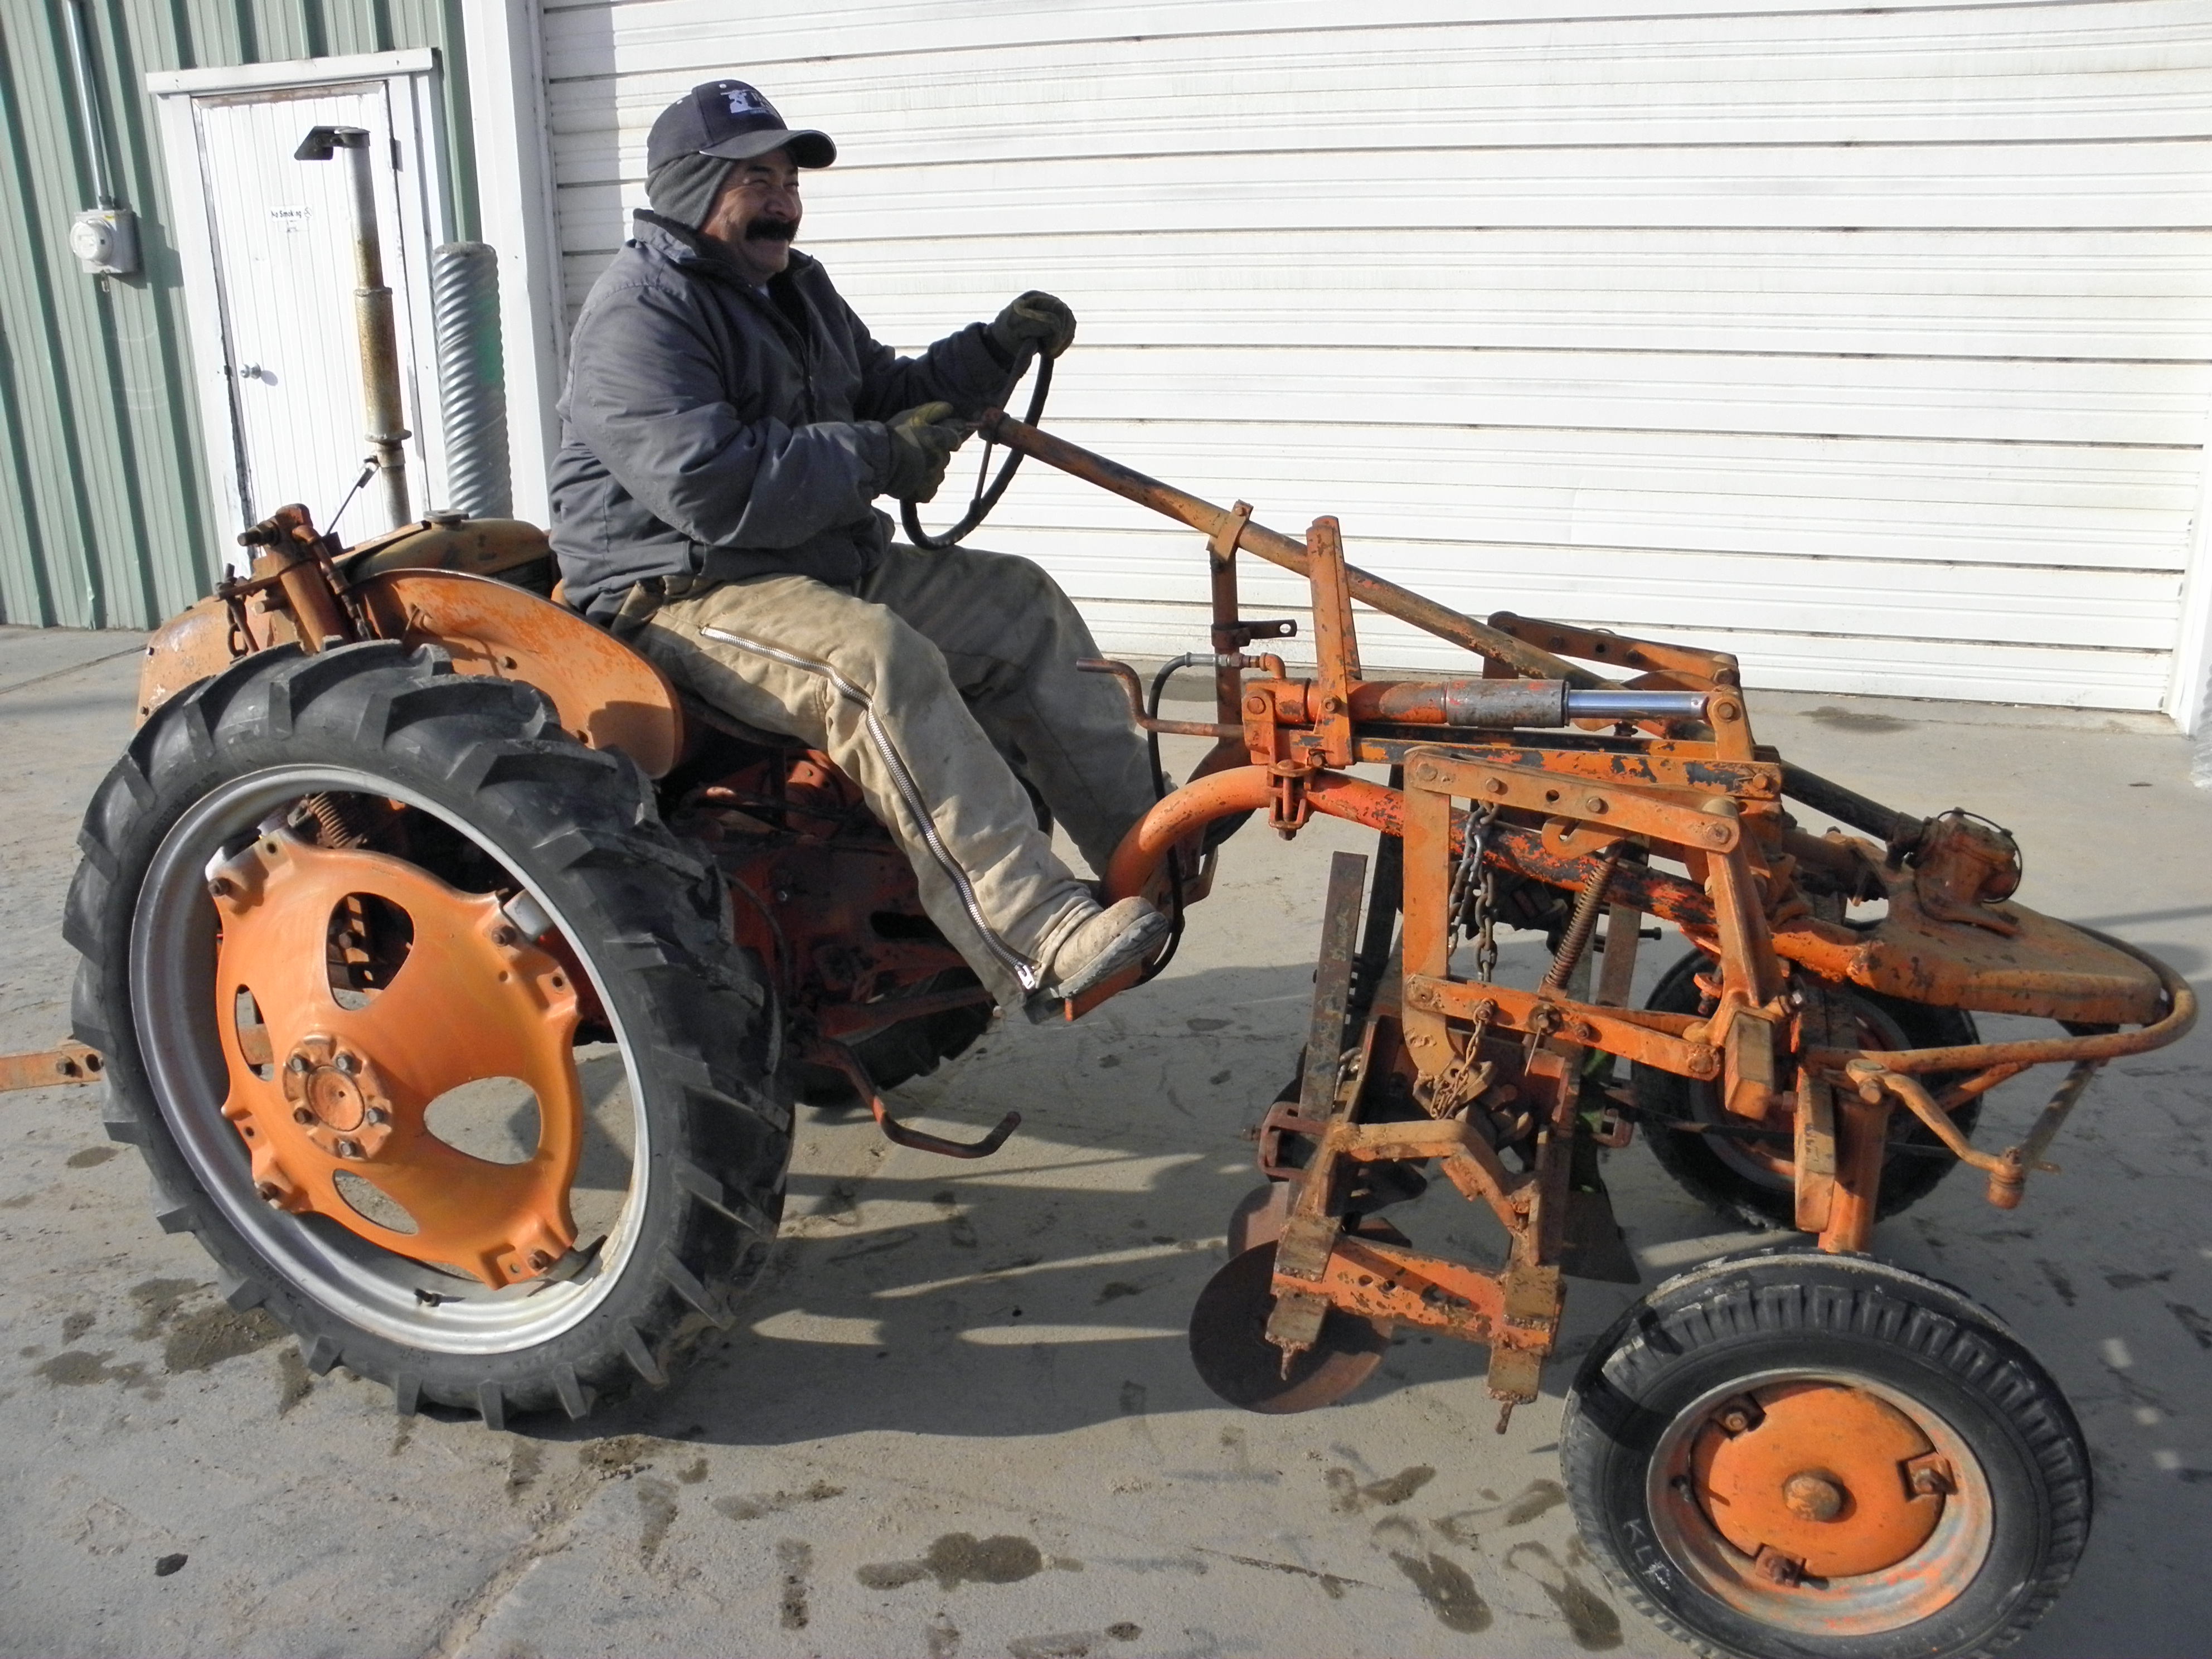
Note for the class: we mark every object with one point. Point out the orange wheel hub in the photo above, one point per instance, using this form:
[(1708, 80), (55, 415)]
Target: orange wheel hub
[(1818, 1481), (347, 1089)]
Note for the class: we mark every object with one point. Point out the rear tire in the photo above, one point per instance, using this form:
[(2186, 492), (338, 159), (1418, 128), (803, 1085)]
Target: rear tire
[(503, 797), (1647, 1427)]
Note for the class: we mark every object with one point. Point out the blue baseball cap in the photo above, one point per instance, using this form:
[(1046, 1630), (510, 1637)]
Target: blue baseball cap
[(733, 121)]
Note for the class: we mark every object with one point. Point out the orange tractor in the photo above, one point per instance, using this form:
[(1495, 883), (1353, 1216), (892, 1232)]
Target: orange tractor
[(397, 829)]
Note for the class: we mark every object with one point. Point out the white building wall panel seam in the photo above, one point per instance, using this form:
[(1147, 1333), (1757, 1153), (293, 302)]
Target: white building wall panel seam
[(1875, 345)]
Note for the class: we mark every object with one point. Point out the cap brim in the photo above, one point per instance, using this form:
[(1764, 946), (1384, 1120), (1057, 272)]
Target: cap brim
[(808, 149)]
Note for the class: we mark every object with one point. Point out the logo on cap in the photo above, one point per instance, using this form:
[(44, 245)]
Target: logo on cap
[(744, 100)]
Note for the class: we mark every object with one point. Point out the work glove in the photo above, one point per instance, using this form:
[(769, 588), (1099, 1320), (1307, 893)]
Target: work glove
[(1035, 320), (922, 441)]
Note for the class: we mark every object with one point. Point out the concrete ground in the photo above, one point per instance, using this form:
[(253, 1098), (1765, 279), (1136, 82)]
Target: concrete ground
[(959, 1418)]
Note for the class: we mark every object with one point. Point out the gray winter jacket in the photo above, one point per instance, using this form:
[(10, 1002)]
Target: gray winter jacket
[(707, 430)]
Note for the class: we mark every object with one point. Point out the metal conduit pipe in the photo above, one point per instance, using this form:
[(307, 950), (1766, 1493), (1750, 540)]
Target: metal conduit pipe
[(472, 379), (378, 336)]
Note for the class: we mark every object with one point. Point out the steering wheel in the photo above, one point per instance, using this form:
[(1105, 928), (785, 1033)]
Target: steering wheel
[(987, 493)]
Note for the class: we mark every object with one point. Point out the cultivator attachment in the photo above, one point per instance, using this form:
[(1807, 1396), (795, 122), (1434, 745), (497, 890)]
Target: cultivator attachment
[(1542, 794)]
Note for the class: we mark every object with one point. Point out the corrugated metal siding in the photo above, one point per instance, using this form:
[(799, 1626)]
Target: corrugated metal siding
[(1873, 345), (108, 520)]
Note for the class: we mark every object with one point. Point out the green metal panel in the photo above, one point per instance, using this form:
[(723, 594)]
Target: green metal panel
[(105, 519)]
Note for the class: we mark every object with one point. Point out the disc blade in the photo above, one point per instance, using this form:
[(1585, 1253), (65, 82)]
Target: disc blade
[(1229, 1344)]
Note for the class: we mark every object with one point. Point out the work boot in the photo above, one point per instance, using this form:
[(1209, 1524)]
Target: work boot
[(1094, 950)]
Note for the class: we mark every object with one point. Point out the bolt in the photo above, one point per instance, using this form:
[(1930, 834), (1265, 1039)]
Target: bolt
[(301, 1114), (1931, 1482), (1735, 1420), (1596, 804), (1425, 773), (269, 1192), (348, 1149), (1725, 710), (1494, 787), (347, 1063), (297, 1065), (539, 1261), (1255, 705), (1778, 1568), (221, 887), (376, 1114), (504, 934)]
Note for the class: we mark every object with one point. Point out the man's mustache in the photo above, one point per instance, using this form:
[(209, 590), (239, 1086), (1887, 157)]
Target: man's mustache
[(770, 230)]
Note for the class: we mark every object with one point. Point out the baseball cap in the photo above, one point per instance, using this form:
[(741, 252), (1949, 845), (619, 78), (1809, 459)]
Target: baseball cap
[(732, 120)]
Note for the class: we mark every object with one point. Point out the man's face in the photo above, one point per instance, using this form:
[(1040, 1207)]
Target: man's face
[(757, 214)]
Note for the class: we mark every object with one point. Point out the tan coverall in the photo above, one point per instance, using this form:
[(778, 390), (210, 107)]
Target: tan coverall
[(926, 687)]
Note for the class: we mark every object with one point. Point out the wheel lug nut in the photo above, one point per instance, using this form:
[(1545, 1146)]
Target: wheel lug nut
[(347, 1063), (376, 1114), (297, 1065), (1930, 1481), (268, 1191), (301, 1114), (348, 1149), (1775, 1567)]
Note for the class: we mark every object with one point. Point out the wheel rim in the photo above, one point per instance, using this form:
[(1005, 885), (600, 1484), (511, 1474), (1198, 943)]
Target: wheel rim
[(347, 1090), (1824, 1503), (590, 1114)]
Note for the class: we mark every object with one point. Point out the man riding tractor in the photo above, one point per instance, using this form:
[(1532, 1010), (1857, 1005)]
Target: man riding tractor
[(728, 424)]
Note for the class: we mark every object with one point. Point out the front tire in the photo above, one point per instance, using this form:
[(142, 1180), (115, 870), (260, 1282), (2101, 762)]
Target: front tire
[(472, 781), (1798, 1456)]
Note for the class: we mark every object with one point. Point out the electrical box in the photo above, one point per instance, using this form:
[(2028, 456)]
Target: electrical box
[(105, 241)]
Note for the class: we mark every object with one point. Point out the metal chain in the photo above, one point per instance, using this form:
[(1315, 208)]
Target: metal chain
[(1466, 1075), (1473, 876)]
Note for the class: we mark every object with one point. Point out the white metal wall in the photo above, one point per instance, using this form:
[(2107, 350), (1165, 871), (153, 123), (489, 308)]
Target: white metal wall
[(1870, 345)]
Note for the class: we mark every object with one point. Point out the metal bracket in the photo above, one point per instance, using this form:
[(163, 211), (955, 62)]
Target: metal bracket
[(71, 1062)]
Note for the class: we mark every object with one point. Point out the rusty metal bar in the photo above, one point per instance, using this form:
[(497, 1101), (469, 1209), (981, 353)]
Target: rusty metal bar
[(1287, 551), (1894, 827), (1127, 677), (69, 1063), (837, 1056), (2040, 1051), (1247, 788)]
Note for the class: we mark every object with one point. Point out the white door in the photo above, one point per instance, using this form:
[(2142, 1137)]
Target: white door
[(269, 268)]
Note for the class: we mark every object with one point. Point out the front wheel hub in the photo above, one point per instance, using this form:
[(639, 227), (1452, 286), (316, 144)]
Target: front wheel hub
[(1823, 1476)]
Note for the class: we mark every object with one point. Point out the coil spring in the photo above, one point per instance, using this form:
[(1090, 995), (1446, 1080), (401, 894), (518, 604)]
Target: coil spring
[(338, 820)]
